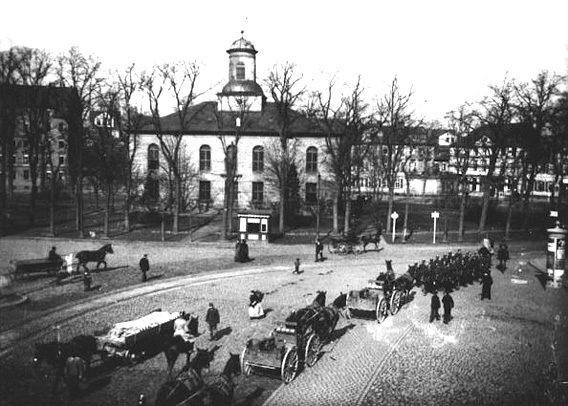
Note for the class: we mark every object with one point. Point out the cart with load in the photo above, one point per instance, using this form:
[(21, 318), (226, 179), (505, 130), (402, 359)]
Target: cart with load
[(343, 246), (379, 296), (29, 266), (131, 340), (286, 348)]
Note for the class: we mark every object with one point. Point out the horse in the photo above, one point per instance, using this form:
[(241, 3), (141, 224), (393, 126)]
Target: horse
[(220, 392), (176, 345), (58, 355), (302, 319), (371, 239), (97, 256), (327, 319), (187, 384)]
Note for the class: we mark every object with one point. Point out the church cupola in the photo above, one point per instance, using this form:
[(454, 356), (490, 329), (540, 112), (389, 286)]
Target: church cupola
[(241, 91)]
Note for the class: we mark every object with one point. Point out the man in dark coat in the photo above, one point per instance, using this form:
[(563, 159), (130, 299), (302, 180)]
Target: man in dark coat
[(212, 318), (53, 255), (319, 250), (144, 267), (502, 255), (448, 303), (435, 307), (486, 282)]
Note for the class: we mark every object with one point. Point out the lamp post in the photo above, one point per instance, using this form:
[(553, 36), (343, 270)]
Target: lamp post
[(394, 216)]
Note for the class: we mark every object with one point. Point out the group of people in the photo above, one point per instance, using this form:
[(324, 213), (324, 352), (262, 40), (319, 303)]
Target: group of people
[(183, 328), (448, 303), (486, 280)]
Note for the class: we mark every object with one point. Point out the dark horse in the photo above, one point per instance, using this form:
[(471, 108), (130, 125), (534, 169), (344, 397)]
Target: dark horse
[(186, 385), (371, 239), (176, 345), (327, 319), (97, 256), (220, 391), (302, 320), (58, 355)]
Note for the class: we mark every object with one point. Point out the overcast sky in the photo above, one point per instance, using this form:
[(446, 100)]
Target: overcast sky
[(447, 51)]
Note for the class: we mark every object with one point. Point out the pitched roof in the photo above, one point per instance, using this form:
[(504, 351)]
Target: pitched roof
[(205, 118)]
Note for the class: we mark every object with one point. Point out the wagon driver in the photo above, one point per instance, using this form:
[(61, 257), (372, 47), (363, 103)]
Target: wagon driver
[(181, 328), (53, 255)]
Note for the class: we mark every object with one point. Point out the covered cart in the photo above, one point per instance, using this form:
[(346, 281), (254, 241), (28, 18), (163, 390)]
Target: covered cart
[(130, 340)]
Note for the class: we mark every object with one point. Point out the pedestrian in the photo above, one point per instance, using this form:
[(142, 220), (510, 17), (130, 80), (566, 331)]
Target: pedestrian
[(297, 266), (144, 266), (435, 307), (212, 318), (502, 255), (448, 303), (87, 281), (319, 250), (486, 282), (255, 305), (53, 255)]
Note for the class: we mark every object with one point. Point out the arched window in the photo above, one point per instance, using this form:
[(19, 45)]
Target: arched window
[(312, 159), (258, 159), (240, 71), (153, 157), (205, 158)]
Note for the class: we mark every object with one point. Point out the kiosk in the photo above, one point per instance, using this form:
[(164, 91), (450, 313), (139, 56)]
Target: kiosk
[(556, 253), (254, 226)]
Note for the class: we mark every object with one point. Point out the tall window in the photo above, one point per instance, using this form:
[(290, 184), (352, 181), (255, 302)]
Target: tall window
[(258, 159), (240, 71), (312, 159), (311, 193), (205, 158), (204, 190), (257, 192), (153, 157)]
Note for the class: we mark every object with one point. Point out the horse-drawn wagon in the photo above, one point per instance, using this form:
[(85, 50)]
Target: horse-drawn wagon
[(131, 340), (288, 346), (379, 296), (42, 265)]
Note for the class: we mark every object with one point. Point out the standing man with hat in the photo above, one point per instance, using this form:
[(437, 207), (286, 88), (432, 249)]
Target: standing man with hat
[(144, 266)]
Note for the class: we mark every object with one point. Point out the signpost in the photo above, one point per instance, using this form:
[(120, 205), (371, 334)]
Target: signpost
[(435, 216), (394, 216)]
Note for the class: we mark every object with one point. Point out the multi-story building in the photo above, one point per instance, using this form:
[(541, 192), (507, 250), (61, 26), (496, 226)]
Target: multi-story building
[(240, 124)]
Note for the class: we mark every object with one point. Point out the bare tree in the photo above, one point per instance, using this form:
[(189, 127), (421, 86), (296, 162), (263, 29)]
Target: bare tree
[(34, 67), (80, 72), (231, 125), (394, 120), (130, 120), (494, 116), (283, 86), (180, 79), (535, 103), (346, 127), (461, 123)]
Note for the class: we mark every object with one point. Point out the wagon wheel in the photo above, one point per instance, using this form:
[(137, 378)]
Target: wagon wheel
[(357, 249), (382, 310), (342, 248), (395, 302), (290, 364), (312, 350), (246, 369)]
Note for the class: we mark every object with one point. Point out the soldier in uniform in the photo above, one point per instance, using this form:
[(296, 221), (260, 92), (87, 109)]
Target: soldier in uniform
[(435, 307), (448, 303), (502, 255), (486, 282)]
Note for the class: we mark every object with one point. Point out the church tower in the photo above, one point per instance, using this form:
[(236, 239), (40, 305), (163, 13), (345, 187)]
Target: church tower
[(242, 93)]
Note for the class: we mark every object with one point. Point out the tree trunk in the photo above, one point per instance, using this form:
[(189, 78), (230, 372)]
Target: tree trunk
[(390, 208), (282, 203), (127, 203), (175, 227), (107, 211), (79, 206), (346, 220), (509, 215), (52, 203), (463, 203)]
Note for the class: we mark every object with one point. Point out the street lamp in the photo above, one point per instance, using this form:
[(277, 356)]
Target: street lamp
[(318, 207)]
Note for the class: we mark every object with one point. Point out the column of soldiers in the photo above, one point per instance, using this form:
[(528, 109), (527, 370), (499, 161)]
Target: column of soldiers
[(450, 271)]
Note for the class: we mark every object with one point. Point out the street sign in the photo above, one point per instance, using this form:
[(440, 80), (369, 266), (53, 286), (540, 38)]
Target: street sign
[(435, 215), (394, 215)]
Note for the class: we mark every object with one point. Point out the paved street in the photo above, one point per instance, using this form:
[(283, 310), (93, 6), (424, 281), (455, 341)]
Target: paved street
[(367, 363)]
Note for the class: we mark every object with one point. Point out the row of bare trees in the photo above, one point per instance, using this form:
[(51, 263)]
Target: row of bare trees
[(373, 133)]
